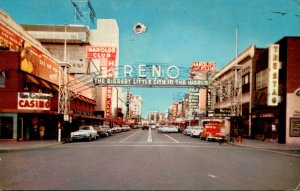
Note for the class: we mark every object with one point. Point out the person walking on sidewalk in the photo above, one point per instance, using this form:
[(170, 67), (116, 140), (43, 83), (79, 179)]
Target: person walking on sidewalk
[(274, 132)]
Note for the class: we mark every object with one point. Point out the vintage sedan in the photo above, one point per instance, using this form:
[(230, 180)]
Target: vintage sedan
[(85, 132), (101, 132), (195, 132), (107, 130), (116, 129), (168, 129), (125, 128), (187, 130), (145, 127)]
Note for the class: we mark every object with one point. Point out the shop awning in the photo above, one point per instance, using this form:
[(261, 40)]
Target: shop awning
[(32, 79), (45, 84), (55, 87), (85, 99), (87, 117)]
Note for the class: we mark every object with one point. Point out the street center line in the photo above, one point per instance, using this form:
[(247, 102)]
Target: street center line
[(129, 137), (149, 135), (172, 138), (297, 187)]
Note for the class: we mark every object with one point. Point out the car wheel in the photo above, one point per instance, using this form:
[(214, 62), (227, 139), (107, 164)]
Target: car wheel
[(90, 138)]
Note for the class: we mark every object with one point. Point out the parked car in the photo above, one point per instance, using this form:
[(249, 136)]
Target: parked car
[(187, 130), (116, 129), (125, 128), (107, 130), (135, 126), (195, 132), (174, 129), (101, 132), (85, 132)]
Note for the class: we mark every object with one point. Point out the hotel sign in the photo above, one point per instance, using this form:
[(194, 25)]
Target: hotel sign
[(273, 77)]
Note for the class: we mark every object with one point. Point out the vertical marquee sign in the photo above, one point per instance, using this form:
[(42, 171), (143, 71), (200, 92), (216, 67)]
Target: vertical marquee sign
[(273, 77), (202, 70), (108, 54)]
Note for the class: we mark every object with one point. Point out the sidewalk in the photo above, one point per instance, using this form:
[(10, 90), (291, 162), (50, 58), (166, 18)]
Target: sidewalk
[(26, 145), (268, 144)]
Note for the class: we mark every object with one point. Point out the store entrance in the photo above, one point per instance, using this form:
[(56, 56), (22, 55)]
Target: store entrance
[(6, 127)]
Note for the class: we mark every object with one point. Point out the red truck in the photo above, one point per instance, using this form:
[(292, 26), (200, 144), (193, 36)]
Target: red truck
[(212, 132)]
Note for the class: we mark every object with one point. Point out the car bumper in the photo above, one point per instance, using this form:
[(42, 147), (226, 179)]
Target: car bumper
[(78, 137), (215, 138)]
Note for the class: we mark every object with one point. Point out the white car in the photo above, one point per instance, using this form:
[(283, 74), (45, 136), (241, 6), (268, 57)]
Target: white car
[(174, 129), (195, 132), (167, 129), (85, 132), (125, 128), (187, 130)]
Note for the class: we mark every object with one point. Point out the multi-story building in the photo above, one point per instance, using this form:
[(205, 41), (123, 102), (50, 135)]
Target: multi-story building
[(153, 117), (136, 103), (91, 53), (259, 91), (29, 90), (230, 90), (276, 92)]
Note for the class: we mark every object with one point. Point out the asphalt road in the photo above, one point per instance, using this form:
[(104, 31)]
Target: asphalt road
[(144, 160)]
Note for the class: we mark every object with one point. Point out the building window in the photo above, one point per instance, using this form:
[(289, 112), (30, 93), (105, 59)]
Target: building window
[(217, 95), (225, 91), (261, 79), (245, 83)]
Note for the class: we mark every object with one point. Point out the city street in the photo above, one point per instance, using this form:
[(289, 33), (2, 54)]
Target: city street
[(147, 160)]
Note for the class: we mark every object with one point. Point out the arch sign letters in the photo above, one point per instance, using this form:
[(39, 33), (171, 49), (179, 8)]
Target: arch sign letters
[(156, 77)]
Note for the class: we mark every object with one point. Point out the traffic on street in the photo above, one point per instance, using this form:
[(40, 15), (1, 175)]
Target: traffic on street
[(149, 95), (149, 160)]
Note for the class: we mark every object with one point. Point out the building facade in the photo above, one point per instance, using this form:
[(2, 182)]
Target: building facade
[(259, 91), (30, 82), (136, 103), (91, 53)]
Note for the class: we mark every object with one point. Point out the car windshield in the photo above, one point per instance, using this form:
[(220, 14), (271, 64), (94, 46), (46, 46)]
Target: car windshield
[(197, 128), (84, 128)]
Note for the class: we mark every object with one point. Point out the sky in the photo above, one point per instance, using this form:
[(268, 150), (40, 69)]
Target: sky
[(179, 32)]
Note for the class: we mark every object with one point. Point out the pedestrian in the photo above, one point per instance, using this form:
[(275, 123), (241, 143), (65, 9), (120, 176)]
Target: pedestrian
[(35, 133), (274, 132), (42, 131)]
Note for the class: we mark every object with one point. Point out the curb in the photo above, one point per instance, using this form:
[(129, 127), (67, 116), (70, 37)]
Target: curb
[(29, 147)]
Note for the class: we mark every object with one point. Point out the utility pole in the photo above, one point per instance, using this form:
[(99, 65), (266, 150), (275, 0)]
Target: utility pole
[(63, 94), (237, 108)]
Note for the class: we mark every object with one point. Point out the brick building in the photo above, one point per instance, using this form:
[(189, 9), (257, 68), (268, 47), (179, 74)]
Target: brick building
[(265, 103), (29, 88)]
